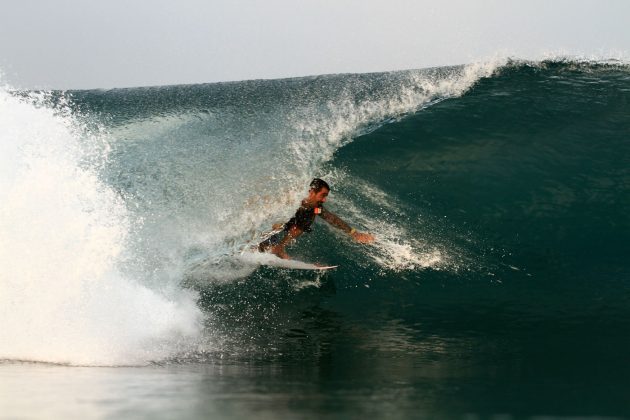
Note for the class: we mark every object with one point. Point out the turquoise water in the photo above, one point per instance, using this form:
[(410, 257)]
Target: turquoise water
[(499, 285)]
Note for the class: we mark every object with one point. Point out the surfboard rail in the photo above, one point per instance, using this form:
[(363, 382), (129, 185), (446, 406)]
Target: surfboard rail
[(271, 260)]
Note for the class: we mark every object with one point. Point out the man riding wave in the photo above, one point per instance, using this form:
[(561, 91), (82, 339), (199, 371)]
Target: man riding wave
[(311, 207)]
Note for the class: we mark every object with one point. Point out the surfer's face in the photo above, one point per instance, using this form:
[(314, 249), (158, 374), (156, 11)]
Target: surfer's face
[(318, 198)]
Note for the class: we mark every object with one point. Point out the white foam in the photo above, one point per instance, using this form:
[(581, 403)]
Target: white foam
[(63, 297)]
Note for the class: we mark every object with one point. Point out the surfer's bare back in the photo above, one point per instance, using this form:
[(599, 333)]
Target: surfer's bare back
[(304, 217)]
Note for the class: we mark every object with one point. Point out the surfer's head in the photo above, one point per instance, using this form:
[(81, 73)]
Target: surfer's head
[(318, 192), (317, 184)]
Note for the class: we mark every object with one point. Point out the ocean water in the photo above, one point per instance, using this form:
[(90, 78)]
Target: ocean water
[(498, 287)]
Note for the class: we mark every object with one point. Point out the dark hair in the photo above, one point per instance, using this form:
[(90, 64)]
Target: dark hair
[(317, 184)]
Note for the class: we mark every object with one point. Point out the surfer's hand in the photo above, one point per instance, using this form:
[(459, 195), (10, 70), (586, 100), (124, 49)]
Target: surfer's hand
[(363, 238)]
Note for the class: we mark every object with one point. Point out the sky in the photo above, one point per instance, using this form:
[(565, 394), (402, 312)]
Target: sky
[(77, 44)]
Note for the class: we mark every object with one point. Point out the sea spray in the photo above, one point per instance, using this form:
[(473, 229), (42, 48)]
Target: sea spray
[(63, 298)]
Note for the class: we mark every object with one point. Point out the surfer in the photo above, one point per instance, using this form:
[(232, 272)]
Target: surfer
[(311, 207)]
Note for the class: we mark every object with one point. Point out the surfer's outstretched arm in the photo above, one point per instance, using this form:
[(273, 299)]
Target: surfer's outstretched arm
[(333, 219), (291, 235)]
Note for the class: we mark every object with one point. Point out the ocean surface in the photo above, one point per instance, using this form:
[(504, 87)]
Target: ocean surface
[(498, 286)]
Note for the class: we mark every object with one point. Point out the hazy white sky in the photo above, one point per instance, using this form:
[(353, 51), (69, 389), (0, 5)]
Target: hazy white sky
[(116, 43)]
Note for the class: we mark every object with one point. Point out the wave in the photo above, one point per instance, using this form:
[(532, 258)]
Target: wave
[(123, 206)]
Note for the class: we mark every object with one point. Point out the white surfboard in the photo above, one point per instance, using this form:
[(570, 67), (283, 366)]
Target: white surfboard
[(264, 258)]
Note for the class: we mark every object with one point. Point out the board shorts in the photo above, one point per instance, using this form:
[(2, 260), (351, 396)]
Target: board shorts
[(303, 219), (273, 240)]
